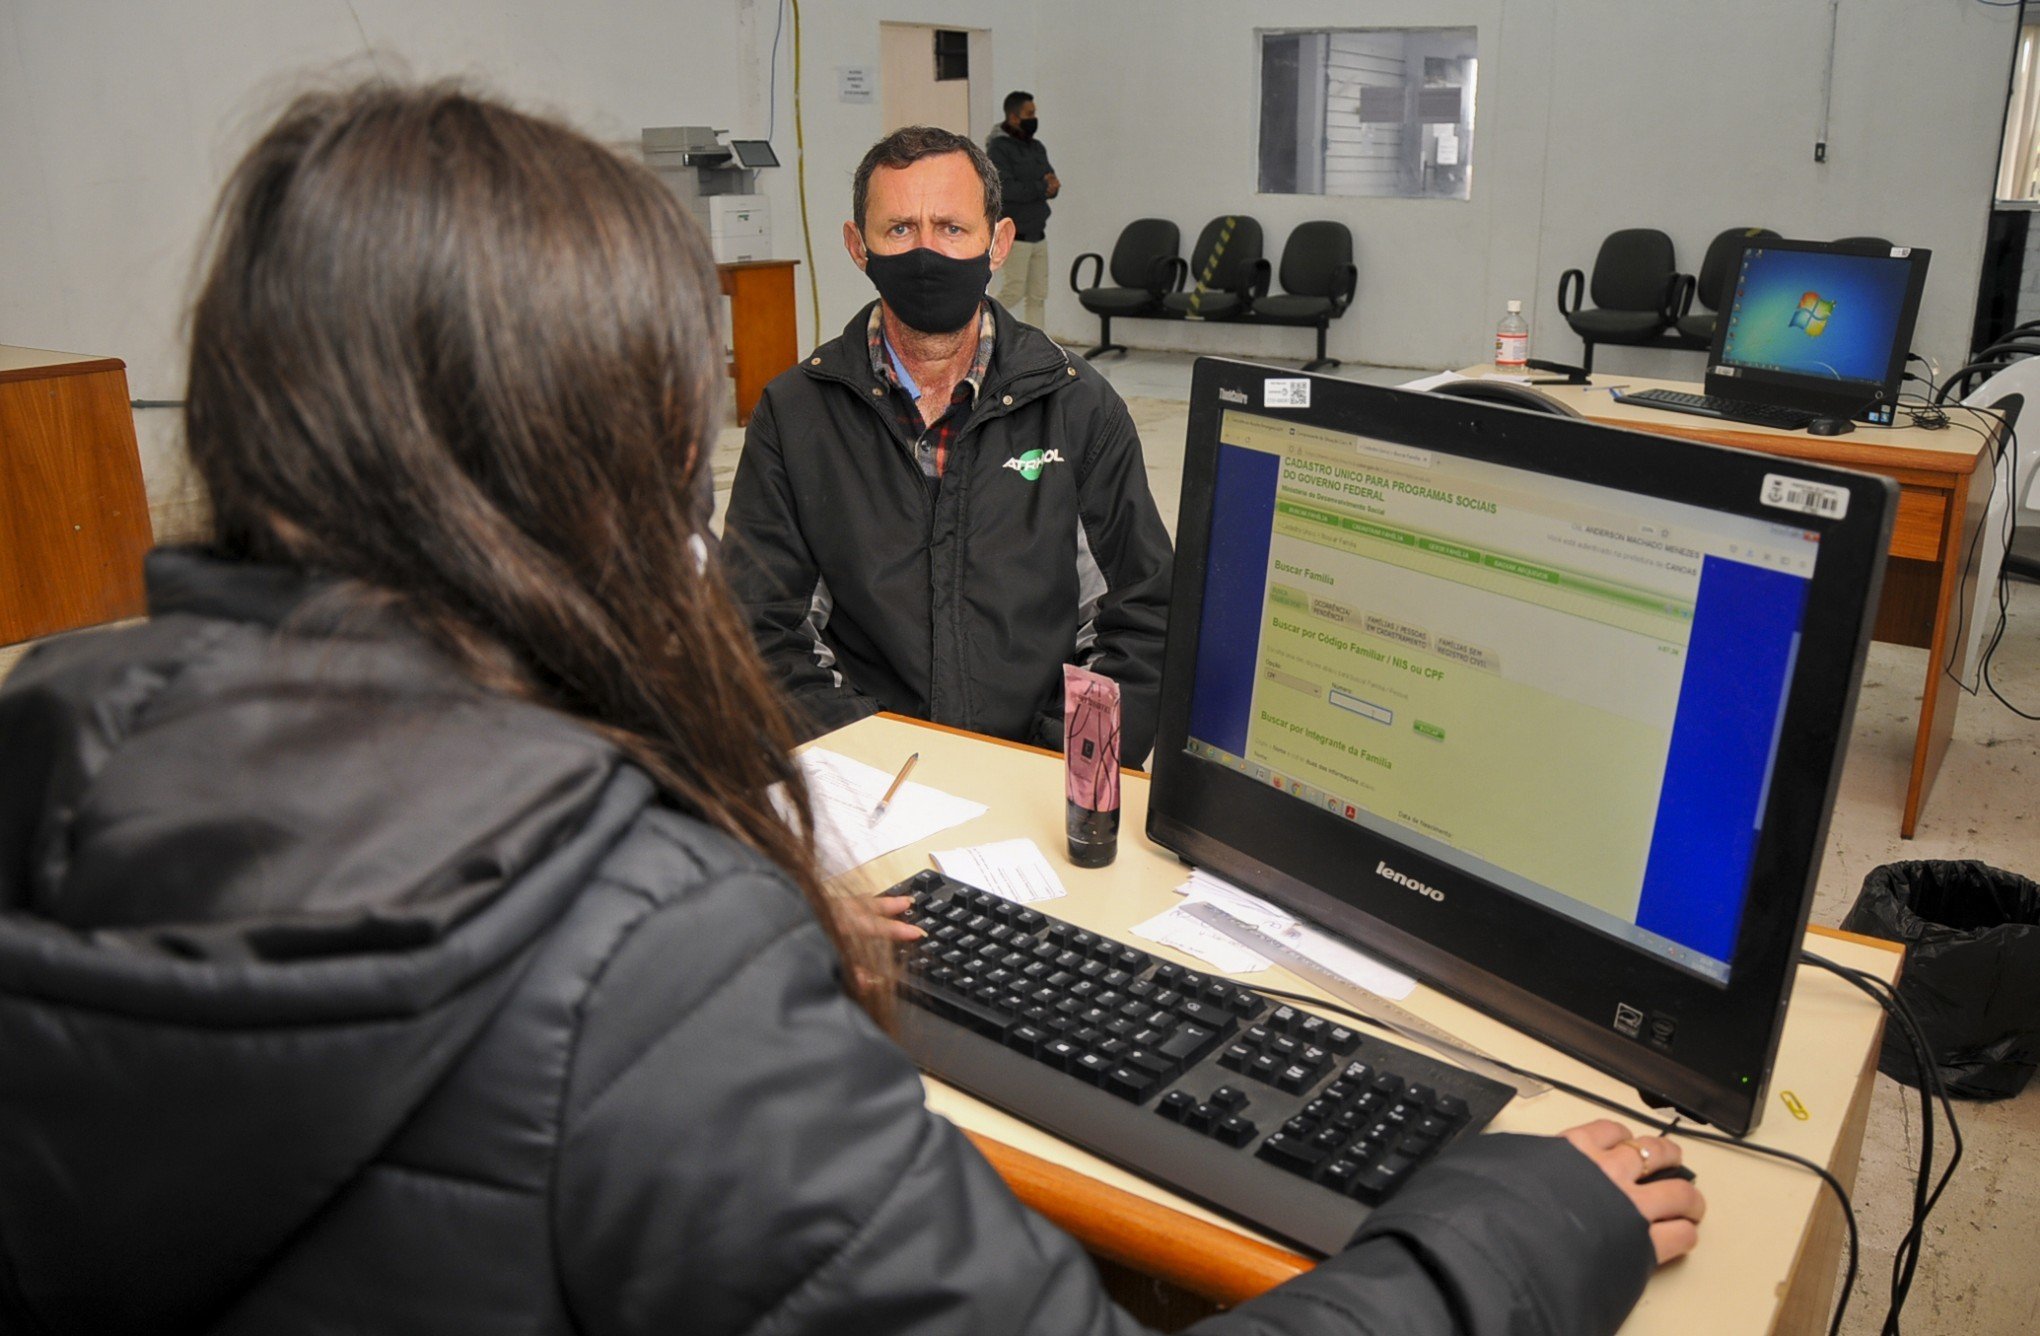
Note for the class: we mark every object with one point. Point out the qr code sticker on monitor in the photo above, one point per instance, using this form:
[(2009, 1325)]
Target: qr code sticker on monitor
[(1808, 498), (1285, 394)]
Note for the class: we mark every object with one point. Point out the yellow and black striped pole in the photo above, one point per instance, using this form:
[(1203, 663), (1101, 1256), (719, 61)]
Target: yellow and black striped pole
[(1225, 232)]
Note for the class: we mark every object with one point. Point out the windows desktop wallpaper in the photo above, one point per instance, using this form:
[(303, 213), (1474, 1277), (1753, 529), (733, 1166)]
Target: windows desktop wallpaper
[(1813, 314)]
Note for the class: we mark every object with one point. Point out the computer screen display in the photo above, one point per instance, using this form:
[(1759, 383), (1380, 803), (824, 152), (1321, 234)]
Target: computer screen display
[(1403, 636), (754, 153), (1516, 686), (1819, 326), (1832, 315)]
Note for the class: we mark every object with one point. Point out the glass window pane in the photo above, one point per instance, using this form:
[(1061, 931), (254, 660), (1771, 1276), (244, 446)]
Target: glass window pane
[(1368, 112)]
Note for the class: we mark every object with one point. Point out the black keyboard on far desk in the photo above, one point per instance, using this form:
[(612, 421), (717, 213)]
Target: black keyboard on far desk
[(1289, 1121), (1714, 406)]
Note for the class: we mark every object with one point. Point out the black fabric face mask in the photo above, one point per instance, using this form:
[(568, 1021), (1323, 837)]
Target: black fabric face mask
[(1028, 125), (930, 291)]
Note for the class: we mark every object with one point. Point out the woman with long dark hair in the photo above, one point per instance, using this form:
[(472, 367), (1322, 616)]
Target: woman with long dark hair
[(398, 931)]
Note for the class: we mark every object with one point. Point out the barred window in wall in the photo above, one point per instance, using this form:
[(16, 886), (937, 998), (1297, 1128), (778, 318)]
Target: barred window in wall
[(2019, 159), (1368, 111)]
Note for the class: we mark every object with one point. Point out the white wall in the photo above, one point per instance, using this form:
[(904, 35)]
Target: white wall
[(1686, 115), (908, 91), (846, 32), (1694, 146), (119, 121)]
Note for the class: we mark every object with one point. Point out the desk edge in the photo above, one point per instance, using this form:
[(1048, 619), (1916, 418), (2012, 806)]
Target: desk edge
[(986, 737), (1210, 1260), (52, 370), (1860, 939)]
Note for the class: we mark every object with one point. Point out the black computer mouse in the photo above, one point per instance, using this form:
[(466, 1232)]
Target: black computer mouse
[(1669, 1171), (1829, 427)]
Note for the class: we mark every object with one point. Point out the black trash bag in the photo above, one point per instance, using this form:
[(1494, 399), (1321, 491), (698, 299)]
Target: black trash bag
[(1972, 970)]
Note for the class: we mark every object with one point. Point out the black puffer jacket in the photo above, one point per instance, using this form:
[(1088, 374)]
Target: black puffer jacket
[(1023, 171), (339, 996), (868, 589)]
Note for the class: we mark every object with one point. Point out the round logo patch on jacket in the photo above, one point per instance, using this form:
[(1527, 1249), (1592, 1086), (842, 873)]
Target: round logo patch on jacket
[(1030, 465)]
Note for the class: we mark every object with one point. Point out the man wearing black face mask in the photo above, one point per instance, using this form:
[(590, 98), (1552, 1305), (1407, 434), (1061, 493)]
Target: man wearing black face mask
[(1028, 182), (940, 507)]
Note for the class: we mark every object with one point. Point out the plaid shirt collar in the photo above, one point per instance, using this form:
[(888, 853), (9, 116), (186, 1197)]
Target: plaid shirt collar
[(882, 363)]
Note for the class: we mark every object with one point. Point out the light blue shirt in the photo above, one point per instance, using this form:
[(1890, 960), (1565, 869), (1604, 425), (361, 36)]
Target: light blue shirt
[(899, 369)]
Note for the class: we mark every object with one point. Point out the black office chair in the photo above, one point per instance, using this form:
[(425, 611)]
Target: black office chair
[(2022, 549), (2004, 387), (1318, 281), (1506, 392), (2009, 349), (1965, 379), (1224, 275), (1143, 262), (1635, 291), (1711, 286), (1983, 365), (1862, 243)]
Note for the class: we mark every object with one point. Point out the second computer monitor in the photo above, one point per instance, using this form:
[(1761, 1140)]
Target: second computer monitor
[(1818, 326)]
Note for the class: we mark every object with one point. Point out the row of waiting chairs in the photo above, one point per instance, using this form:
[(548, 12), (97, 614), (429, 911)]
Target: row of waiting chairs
[(1640, 298), (1225, 278)]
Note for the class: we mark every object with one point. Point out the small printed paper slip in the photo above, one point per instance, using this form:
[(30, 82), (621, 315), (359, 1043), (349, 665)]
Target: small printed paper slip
[(1349, 963), (844, 791), (1014, 869), (1173, 927)]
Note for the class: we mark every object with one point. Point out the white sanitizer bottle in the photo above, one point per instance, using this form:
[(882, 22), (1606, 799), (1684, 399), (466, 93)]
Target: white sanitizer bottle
[(1512, 341)]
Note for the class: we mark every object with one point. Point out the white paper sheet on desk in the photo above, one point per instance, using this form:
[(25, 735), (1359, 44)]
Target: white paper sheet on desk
[(1349, 963), (1014, 869), (1433, 382), (843, 792), (1173, 927)]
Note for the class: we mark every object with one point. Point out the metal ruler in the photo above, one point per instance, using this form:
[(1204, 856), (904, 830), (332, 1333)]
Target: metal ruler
[(1373, 1006)]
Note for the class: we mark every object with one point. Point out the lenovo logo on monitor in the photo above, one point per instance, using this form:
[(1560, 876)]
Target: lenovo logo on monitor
[(1409, 883)]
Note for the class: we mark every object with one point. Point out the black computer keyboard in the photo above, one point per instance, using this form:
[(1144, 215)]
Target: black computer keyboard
[(1714, 406), (1289, 1121)]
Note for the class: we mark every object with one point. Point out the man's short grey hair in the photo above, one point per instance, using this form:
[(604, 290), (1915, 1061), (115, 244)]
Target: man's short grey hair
[(908, 145)]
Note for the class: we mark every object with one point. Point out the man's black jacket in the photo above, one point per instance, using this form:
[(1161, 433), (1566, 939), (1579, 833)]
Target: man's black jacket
[(870, 588), (1023, 168), (340, 995)]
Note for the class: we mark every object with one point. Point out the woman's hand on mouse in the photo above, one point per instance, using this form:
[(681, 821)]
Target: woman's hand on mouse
[(1673, 1206)]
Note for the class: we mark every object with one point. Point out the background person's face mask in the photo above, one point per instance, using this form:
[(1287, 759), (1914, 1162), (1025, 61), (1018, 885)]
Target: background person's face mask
[(930, 291)]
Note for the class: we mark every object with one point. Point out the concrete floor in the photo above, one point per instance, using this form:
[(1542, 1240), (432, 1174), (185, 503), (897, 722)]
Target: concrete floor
[(1972, 1278)]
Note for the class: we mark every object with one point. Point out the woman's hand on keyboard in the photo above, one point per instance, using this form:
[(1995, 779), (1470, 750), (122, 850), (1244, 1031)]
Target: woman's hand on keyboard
[(1672, 1205), (879, 916)]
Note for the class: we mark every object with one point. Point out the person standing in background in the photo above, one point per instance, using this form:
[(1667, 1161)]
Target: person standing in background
[(1028, 183)]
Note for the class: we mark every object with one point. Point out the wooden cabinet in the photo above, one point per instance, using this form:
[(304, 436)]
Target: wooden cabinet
[(763, 337), (74, 519)]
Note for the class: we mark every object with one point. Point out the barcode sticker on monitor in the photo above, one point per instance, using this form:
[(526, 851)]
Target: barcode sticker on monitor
[(1285, 394), (1808, 498)]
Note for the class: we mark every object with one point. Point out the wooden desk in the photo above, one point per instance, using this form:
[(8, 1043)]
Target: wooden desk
[(1942, 493), (763, 335), (74, 519), (1769, 1247)]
